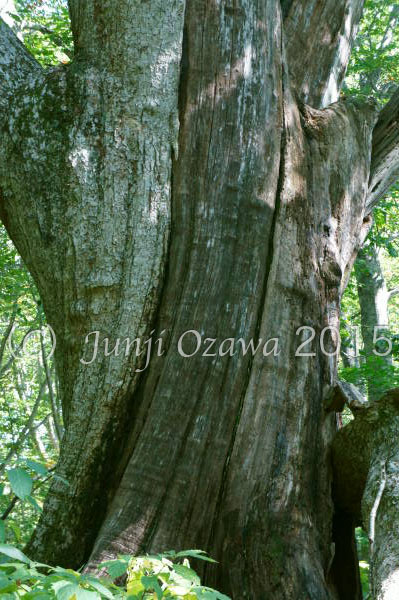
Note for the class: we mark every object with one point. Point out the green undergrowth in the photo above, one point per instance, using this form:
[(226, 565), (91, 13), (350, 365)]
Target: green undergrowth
[(167, 575)]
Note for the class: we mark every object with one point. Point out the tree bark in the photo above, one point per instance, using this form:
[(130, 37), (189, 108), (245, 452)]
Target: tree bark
[(241, 222), (366, 463), (385, 163), (87, 204)]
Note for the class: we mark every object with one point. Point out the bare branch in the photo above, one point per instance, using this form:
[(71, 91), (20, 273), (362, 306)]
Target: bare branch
[(25, 431), (50, 390), (373, 512), (7, 335), (393, 292), (52, 433)]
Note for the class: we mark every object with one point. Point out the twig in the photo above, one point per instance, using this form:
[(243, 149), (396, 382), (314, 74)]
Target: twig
[(24, 433), (15, 499), (50, 389), (8, 332)]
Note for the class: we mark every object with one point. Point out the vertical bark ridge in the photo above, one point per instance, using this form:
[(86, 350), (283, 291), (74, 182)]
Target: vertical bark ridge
[(269, 261), (248, 430), (285, 493), (229, 201)]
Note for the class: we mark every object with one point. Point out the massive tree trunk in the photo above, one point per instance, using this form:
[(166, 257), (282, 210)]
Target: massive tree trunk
[(188, 172)]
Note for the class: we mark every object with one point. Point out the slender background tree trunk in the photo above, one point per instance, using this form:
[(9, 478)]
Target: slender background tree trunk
[(373, 297)]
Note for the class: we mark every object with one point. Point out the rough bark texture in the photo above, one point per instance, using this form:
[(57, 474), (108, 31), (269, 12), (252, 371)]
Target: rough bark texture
[(244, 226), (324, 30), (385, 163), (87, 203), (366, 463)]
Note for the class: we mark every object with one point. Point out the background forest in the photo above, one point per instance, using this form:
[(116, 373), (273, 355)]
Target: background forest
[(30, 413)]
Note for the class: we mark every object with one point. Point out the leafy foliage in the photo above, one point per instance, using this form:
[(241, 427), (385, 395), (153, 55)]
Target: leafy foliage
[(166, 575), (374, 65), (385, 233), (29, 441), (44, 27), (374, 70)]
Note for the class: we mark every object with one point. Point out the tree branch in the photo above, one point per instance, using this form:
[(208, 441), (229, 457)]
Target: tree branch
[(393, 292), (16, 64), (50, 390), (373, 512), (384, 170), (16, 351), (34, 127), (7, 334), (37, 485), (25, 431), (319, 39)]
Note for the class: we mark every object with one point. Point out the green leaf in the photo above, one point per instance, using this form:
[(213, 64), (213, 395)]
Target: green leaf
[(22, 573), (38, 468), (15, 529), (135, 588), (100, 587), (187, 574), (151, 583), (195, 554), (7, 585), (15, 17), (2, 532), (20, 481), (67, 574), (83, 594), (205, 593), (66, 590), (34, 503), (115, 568), (14, 553)]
